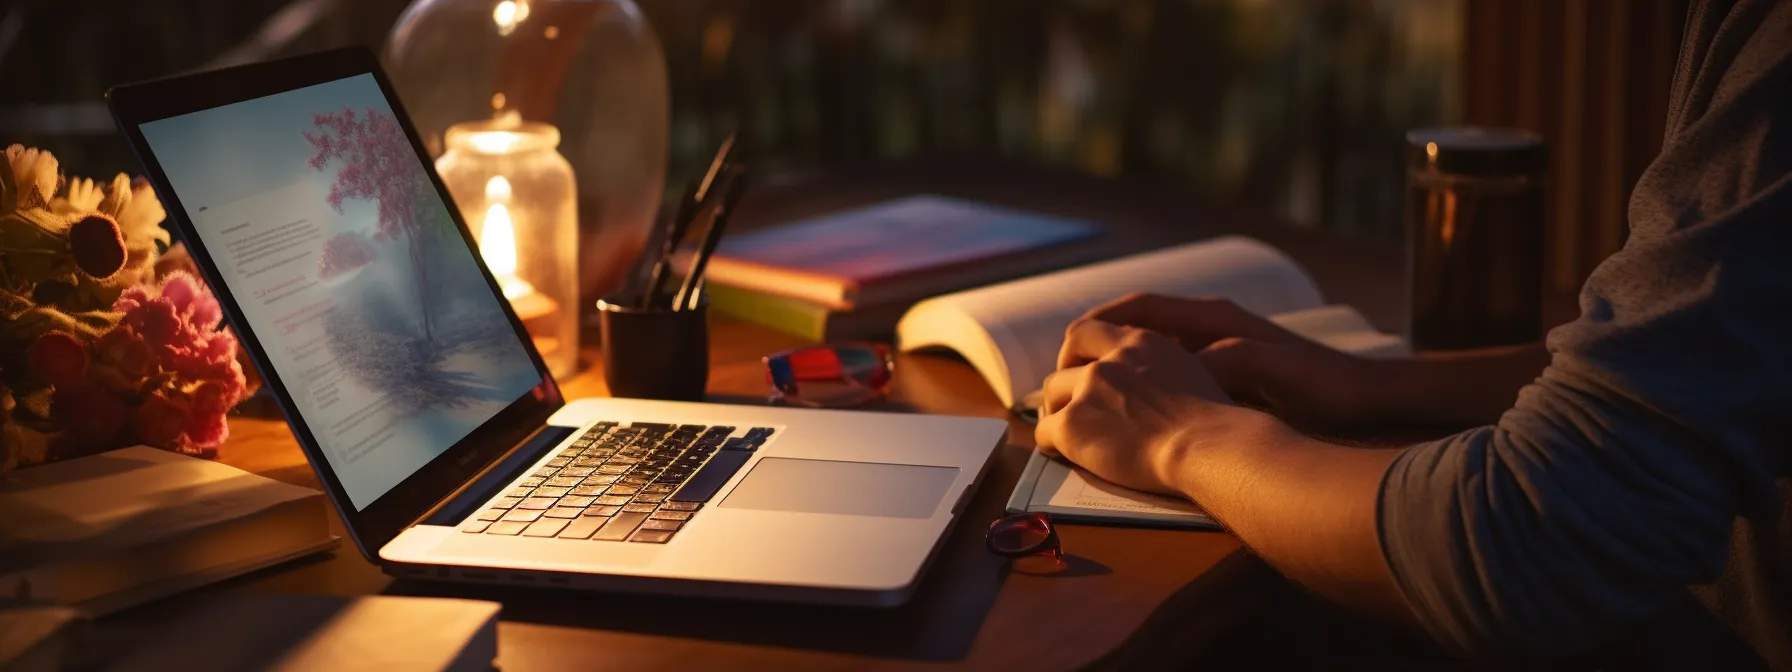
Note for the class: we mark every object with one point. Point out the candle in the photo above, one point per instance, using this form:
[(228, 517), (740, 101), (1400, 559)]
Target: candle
[(517, 195)]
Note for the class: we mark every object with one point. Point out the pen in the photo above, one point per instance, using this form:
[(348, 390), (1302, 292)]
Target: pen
[(688, 209), (687, 293)]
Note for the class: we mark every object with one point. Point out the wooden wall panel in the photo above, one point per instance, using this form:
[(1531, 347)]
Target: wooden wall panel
[(1592, 76)]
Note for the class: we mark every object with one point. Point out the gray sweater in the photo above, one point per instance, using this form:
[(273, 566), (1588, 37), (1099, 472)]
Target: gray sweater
[(1635, 496)]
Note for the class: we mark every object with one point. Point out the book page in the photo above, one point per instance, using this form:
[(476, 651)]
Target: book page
[(1026, 318), (1062, 484)]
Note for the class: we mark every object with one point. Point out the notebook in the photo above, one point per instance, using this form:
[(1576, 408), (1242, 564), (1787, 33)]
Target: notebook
[(852, 273), (1011, 332)]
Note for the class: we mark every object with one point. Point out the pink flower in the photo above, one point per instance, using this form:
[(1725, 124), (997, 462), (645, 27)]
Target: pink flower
[(181, 289), (57, 358), (161, 422), (206, 430), (344, 252), (90, 417)]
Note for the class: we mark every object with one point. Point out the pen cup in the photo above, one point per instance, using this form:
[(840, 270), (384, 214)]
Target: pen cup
[(656, 353)]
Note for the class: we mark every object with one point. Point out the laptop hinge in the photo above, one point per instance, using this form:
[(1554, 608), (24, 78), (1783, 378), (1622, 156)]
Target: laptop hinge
[(501, 472)]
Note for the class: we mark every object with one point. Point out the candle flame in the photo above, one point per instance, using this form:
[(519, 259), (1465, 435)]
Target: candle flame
[(497, 240)]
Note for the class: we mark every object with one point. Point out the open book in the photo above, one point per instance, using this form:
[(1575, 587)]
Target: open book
[(1011, 333)]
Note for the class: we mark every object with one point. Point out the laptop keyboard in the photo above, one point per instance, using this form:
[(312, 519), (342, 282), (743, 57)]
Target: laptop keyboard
[(639, 483)]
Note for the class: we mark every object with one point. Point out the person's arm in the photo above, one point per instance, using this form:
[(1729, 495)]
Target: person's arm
[(1260, 363)]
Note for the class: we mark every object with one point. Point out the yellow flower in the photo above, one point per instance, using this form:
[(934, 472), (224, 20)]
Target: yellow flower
[(82, 197), (138, 211), (35, 172)]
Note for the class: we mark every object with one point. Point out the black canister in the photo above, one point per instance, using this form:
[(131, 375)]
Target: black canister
[(1474, 226)]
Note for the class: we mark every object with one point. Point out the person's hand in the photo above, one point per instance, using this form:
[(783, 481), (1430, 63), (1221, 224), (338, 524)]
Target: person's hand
[(1130, 405), (1254, 360)]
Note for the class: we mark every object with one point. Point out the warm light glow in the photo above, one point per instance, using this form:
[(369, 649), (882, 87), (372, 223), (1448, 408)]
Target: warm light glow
[(495, 142), (497, 240), (508, 13)]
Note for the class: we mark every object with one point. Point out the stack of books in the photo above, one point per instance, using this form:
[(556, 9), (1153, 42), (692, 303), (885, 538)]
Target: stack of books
[(852, 274)]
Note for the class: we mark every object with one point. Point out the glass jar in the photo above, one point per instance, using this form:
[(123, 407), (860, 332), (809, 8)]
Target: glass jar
[(1474, 226), (593, 69), (518, 197)]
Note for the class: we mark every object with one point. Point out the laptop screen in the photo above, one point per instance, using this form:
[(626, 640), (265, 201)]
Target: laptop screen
[(347, 265)]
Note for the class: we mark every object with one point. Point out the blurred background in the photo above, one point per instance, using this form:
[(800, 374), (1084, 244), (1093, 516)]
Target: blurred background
[(1290, 108)]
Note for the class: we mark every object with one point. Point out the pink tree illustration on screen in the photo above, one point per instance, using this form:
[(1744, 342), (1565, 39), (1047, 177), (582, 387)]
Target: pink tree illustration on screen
[(378, 165)]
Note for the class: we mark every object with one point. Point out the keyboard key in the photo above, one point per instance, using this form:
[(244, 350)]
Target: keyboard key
[(528, 482), (545, 472), (580, 472), (550, 491), (662, 524), (612, 500), (602, 479), (681, 506), (538, 503), (576, 501), (623, 490), (588, 490), (602, 511), (637, 507), (760, 432), (635, 479), (581, 528), (652, 536), (654, 498), (475, 526), (740, 444), (520, 493), (585, 461), (545, 527), (658, 487), (612, 467), (558, 462), (506, 502), (489, 514), (719, 431), (672, 515), (712, 476), (564, 512), (620, 526), (563, 481), (522, 516), (507, 528)]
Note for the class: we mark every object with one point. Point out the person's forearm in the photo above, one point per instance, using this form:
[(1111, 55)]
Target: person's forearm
[(1307, 507), (1467, 388)]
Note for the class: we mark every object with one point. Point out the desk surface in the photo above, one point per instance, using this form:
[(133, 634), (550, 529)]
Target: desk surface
[(1123, 584)]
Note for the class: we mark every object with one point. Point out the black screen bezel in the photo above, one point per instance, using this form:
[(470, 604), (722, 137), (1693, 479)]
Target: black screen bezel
[(384, 518)]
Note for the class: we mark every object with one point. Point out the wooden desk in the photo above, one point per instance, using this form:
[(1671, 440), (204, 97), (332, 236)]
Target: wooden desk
[(1169, 592)]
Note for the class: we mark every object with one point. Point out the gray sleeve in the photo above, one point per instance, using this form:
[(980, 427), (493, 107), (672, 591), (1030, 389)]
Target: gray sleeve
[(1613, 482)]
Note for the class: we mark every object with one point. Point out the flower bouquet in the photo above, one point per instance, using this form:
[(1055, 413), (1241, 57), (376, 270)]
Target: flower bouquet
[(106, 340)]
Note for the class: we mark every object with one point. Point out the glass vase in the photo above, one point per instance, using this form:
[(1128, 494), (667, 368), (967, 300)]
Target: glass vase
[(591, 69)]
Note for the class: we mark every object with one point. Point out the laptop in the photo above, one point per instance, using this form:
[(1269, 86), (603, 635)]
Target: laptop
[(449, 449)]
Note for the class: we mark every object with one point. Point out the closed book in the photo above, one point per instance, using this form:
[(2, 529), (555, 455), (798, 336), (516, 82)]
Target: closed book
[(807, 320), (896, 252), (120, 528)]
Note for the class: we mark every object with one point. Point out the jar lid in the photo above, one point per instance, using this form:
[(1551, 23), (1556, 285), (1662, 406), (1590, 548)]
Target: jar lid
[(1476, 150), (502, 136)]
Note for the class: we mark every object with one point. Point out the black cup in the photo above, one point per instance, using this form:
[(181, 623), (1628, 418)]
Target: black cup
[(655, 353)]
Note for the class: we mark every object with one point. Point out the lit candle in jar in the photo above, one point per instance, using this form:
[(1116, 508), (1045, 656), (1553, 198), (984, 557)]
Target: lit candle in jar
[(518, 197)]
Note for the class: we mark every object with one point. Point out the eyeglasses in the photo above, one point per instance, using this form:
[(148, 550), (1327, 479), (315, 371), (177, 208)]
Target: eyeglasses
[(830, 376), (1028, 537)]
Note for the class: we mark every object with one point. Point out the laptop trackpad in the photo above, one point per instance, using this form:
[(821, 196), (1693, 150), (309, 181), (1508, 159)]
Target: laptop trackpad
[(846, 488)]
